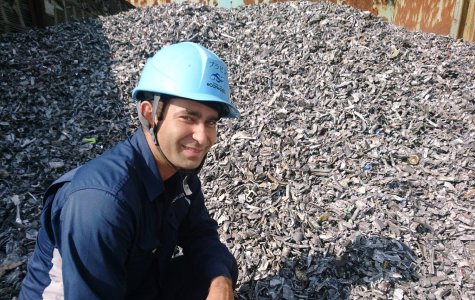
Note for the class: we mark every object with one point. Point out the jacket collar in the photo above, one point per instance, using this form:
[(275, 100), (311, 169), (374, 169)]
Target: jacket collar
[(146, 166)]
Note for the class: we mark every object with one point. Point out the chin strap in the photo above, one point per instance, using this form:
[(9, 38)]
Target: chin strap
[(157, 109)]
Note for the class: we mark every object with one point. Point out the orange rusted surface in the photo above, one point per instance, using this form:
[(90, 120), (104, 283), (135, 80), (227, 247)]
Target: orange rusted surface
[(426, 15), (362, 4)]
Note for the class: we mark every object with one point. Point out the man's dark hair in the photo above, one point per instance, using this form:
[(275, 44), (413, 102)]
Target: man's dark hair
[(222, 109)]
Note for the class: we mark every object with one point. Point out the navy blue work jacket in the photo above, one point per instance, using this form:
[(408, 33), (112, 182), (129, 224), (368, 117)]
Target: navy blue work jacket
[(110, 227)]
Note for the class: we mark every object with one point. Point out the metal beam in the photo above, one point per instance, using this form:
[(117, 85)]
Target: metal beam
[(40, 13), (469, 32), (454, 29), (463, 18), (32, 13), (113, 9)]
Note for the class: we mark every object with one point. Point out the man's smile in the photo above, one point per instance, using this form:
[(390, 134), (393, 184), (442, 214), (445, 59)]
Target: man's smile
[(193, 149)]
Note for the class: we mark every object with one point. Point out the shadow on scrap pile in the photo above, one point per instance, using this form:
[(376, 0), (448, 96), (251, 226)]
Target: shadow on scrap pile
[(61, 106)]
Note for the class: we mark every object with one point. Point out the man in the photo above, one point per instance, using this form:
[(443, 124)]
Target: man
[(110, 228)]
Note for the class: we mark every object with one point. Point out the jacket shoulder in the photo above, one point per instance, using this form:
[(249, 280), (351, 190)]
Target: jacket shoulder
[(108, 172)]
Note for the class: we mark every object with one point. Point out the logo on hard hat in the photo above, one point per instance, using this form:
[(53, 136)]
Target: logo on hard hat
[(217, 87), (216, 77)]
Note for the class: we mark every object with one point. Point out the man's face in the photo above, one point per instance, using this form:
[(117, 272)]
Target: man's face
[(187, 132)]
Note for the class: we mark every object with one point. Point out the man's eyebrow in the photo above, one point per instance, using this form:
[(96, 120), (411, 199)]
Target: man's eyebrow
[(197, 114), (193, 112)]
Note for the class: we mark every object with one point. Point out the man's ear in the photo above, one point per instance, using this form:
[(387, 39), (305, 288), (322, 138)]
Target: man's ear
[(146, 109)]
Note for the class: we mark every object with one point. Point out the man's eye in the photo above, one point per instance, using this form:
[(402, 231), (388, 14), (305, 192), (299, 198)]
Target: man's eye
[(212, 123)]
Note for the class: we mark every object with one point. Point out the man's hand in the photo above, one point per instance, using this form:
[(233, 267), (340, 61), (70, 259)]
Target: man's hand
[(221, 288)]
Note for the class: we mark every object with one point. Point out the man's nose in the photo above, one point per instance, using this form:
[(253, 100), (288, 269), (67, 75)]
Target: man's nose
[(200, 134)]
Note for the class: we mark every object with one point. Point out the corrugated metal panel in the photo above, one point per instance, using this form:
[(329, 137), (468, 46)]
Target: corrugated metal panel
[(50, 21), (15, 16), (469, 29), (448, 17), (427, 15), (69, 12), (60, 16), (456, 19), (21, 15)]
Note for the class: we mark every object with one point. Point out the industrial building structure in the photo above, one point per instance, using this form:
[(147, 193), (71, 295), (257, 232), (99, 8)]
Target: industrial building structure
[(22, 15)]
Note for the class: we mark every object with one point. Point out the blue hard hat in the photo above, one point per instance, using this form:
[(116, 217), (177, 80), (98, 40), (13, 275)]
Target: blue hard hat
[(187, 70)]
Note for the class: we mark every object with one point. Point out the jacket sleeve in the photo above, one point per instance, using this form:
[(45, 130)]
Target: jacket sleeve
[(199, 239), (96, 234)]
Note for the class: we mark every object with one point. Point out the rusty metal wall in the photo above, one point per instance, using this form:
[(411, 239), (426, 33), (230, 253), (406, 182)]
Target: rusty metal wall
[(22, 15), (447, 17), (15, 16)]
